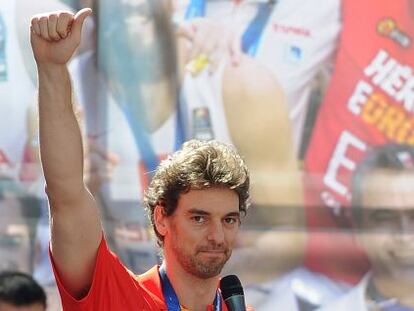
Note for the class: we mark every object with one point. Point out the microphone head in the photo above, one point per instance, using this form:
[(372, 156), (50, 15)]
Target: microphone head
[(230, 285)]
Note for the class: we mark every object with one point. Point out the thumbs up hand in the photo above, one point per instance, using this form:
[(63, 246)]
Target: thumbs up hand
[(56, 35)]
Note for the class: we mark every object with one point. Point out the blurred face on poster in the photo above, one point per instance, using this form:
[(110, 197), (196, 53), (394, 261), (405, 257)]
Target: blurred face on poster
[(387, 222), (14, 233), (139, 23), (136, 52), (127, 29)]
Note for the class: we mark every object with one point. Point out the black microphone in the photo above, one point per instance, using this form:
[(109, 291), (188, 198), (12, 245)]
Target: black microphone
[(232, 292)]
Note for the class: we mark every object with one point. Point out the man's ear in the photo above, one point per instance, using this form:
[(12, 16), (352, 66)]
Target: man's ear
[(160, 220)]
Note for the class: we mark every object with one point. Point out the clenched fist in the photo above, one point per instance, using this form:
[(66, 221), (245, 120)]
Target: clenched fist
[(56, 35)]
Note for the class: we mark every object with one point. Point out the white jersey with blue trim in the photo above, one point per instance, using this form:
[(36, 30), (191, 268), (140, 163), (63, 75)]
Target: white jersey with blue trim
[(17, 93), (294, 289), (202, 107), (298, 41), (111, 130), (354, 300)]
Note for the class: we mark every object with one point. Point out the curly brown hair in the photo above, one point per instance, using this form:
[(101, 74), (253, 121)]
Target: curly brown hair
[(198, 165)]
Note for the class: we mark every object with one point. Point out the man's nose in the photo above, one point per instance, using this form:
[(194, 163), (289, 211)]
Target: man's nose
[(216, 232)]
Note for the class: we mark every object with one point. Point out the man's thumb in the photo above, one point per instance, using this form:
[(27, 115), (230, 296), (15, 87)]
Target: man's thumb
[(79, 19)]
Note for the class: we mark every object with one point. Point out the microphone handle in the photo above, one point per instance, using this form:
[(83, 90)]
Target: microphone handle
[(235, 303)]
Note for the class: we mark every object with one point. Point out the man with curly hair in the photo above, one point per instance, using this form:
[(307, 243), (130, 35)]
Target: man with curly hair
[(195, 201)]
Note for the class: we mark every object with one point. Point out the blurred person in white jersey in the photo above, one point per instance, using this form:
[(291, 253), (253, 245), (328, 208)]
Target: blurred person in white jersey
[(295, 40)]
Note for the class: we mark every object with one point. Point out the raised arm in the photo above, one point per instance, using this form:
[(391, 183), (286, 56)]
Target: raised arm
[(75, 224)]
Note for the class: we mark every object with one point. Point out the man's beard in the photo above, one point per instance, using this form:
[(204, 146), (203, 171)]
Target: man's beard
[(203, 268)]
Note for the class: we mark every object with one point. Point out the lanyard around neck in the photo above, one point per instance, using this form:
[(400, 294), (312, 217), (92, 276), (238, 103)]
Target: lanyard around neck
[(252, 35), (171, 298)]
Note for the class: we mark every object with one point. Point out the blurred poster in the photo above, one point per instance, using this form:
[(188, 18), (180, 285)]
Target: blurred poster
[(370, 101)]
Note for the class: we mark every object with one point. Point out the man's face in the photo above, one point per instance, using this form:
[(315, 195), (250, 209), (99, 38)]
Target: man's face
[(14, 229), (387, 221), (201, 232), (139, 22), (33, 307), (131, 48), (128, 41)]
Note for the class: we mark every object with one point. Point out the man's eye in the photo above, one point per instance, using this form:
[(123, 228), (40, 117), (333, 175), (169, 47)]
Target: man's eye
[(198, 219), (410, 214), (384, 216), (230, 220)]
